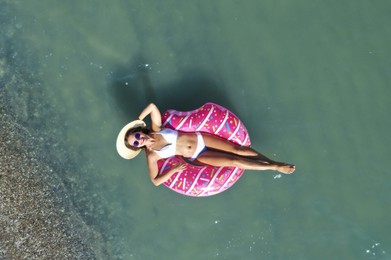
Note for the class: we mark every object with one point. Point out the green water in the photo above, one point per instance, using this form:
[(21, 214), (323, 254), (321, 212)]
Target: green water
[(310, 79)]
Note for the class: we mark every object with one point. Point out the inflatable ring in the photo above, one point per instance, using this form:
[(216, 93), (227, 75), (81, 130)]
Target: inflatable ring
[(204, 180)]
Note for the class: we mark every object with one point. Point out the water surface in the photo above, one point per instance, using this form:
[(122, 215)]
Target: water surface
[(310, 79)]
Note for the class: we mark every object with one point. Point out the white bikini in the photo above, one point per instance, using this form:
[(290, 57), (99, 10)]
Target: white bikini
[(171, 137), (200, 146), (169, 150)]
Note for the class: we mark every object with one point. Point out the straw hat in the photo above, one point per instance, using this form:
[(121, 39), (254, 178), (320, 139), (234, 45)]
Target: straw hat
[(124, 151)]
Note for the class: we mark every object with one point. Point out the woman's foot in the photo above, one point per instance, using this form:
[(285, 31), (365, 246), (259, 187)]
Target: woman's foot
[(286, 168)]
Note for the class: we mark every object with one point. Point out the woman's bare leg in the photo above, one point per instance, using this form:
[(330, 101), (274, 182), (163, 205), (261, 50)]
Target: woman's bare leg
[(218, 143), (218, 158)]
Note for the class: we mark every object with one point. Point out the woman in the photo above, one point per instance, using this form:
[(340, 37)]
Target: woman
[(203, 148)]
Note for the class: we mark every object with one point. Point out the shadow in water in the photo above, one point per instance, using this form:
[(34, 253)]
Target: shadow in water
[(131, 87), (132, 90), (192, 91)]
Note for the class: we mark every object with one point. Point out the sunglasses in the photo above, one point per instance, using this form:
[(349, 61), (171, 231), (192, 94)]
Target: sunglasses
[(137, 136)]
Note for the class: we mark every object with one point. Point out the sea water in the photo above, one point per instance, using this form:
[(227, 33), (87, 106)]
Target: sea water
[(310, 79)]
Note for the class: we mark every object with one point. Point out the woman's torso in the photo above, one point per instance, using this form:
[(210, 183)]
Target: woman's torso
[(184, 144)]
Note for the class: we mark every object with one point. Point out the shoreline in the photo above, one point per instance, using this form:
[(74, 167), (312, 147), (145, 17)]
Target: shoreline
[(40, 216), (37, 218)]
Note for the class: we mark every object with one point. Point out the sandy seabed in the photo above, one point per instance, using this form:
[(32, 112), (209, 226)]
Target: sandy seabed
[(38, 219)]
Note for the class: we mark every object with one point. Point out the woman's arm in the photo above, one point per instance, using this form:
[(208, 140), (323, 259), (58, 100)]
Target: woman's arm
[(152, 159), (156, 117), (161, 179)]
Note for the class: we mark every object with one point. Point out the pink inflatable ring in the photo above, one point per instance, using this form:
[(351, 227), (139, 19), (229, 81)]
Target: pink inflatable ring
[(205, 180)]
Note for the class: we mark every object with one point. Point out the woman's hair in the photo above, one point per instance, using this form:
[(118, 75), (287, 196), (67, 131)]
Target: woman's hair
[(135, 130)]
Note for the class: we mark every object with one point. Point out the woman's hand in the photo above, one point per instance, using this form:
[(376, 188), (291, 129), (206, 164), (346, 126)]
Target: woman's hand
[(179, 167), (157, 180)]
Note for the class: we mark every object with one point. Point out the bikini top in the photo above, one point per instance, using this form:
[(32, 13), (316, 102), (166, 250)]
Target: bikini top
[(170, 136)]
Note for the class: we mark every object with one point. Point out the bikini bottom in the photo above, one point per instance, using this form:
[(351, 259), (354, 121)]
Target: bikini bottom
[(200, 146)]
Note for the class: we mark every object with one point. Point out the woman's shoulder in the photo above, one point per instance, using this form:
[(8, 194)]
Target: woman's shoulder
[(152, 154)]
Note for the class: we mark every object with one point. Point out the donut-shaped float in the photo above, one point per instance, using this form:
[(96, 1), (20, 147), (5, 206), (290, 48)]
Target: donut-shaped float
[(205, 180)]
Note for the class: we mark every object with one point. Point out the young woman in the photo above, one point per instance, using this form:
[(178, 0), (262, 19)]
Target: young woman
[(203, 148)]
